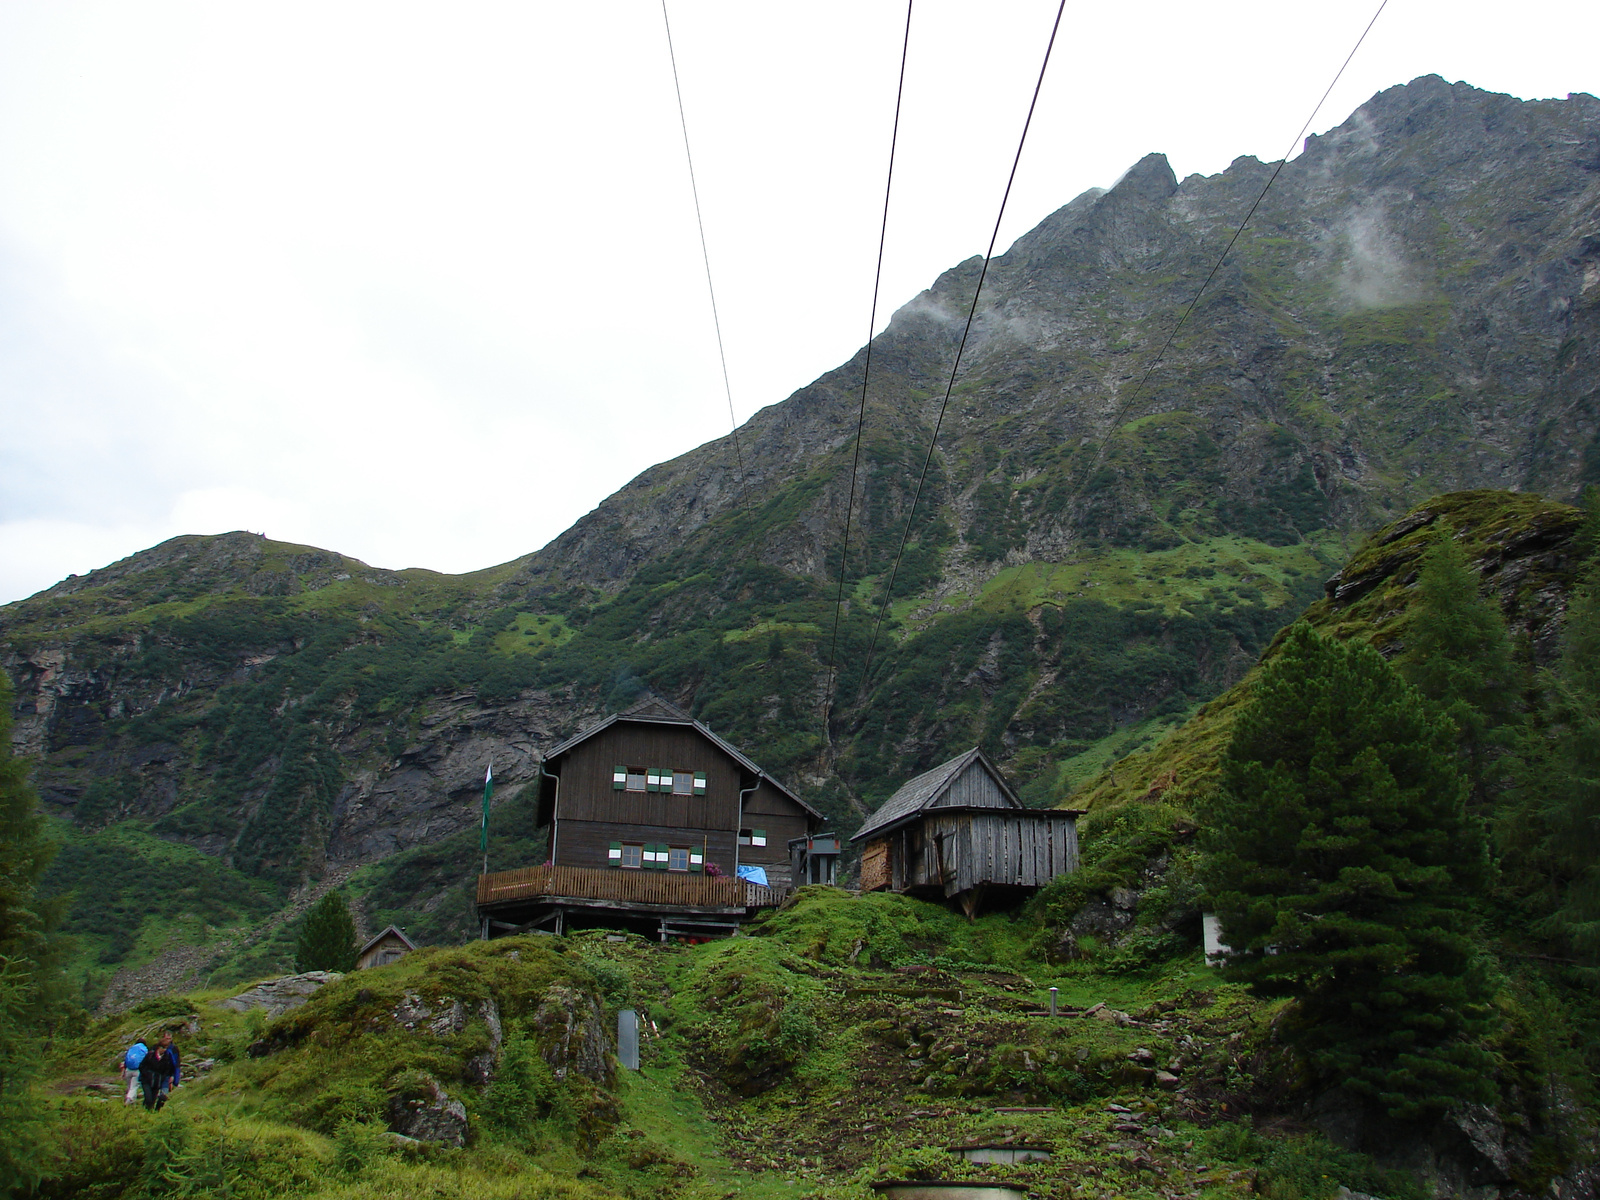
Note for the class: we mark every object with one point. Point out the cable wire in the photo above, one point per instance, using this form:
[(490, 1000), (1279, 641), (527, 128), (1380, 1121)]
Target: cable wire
[(866, 374), (1155, 362), (933, 442), (1223, 257), (705, 252)]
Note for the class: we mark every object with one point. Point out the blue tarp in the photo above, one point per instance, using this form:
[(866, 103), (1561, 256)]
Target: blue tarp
[(754, 875)]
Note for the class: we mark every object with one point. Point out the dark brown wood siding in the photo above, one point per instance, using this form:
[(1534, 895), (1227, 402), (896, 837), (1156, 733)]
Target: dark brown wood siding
[(590, 813), (588, 843), (780, 818), (586, 793)]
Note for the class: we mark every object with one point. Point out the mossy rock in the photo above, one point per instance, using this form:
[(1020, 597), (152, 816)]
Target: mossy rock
[(438, 1015)]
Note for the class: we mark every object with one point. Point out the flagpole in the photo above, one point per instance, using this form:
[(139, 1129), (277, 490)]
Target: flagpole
[(488, 790)]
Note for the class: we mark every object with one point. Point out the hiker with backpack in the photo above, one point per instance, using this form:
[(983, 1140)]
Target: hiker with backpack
[(130, 1069), (159, 1073)]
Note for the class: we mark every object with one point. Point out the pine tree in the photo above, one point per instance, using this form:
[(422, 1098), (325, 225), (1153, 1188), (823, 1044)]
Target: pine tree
[(1342, 863), (327, 940), (1573, 770), (1458, 654), (32, 984), (1550, 839)]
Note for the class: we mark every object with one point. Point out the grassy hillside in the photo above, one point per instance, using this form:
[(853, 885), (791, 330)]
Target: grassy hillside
[(1524, 548), (848, 1040), (239, 726)]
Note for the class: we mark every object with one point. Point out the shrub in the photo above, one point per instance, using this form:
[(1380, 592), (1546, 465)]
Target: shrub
[(357, 1145), (96, 1151), (524, 1088)]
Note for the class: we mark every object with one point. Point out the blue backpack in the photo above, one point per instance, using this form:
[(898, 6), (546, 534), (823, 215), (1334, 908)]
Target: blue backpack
[(135, 1056)]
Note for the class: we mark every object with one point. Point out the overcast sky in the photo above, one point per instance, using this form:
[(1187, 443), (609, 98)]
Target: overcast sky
[(421, 283)]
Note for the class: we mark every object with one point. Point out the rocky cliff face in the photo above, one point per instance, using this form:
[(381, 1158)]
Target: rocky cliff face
[(1105, 542), (1411, 311)]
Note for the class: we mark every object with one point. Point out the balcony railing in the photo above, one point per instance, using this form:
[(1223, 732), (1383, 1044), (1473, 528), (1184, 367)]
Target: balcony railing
[(621, 886)]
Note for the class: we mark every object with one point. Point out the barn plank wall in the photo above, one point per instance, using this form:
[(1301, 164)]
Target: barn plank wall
[(1008, 848), (875, 865), (973, 788)]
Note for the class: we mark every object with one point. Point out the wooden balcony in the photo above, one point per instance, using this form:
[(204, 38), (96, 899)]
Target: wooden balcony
[(532, 896)]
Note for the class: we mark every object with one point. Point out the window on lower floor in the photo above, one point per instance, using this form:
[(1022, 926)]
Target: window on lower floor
[(631, 856), (677, 858)]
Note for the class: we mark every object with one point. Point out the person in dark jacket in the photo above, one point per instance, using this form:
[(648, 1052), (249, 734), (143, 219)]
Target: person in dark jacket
[(159, 1072)]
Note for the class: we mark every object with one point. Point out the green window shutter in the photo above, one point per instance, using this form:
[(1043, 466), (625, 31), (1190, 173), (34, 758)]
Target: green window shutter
[(614, 855), (653, 779), (619, 778), (696, 861), (699, 783), (758, 837)]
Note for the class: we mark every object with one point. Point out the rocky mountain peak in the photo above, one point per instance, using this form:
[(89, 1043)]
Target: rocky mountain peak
[(1150, 179)]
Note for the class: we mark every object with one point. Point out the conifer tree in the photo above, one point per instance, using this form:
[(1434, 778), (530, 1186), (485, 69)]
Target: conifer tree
[(327, 940), (32, 985), (1458, 654), (1342, 863), (1573, 770)]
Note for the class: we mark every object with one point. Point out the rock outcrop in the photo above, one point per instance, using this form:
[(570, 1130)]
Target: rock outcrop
[(278, 996)]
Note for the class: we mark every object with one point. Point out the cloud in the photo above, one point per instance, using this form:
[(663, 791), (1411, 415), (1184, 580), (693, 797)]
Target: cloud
[(1374, 273)]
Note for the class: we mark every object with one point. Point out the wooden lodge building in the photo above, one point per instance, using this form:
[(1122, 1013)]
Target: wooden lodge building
[(958, 832), (651, 818)]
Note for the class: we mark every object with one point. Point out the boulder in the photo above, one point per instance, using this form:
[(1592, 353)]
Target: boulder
[(278, 996), (572, 1035), (1100, 919), (427, 1114)]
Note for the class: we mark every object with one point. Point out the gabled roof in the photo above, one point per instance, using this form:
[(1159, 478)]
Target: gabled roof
[(387, 930), (653, 710), (926, 790)]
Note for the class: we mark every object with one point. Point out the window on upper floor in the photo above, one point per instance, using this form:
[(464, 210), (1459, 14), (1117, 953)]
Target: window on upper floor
[(752, 837), (658, 779)]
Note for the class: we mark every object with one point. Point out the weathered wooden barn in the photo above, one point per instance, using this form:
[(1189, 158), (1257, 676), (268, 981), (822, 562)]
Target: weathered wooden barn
[(389, 946), (651, 816), (958, 832)]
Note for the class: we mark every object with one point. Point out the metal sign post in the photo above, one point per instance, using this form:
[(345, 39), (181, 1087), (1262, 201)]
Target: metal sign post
[(628, 1039)]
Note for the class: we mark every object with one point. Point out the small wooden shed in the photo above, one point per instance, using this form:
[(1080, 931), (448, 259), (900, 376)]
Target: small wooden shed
[(959, 832), (389, 946)]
